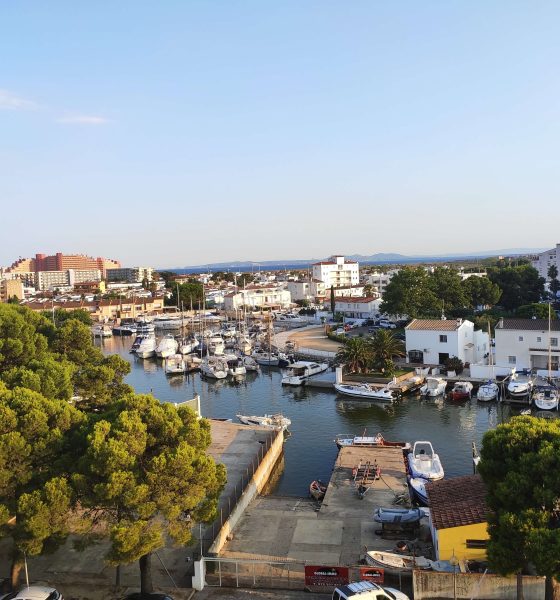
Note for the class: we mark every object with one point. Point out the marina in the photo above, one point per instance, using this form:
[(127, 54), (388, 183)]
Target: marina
[(310, 454)]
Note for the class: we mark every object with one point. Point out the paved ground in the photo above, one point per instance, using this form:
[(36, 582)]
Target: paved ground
[(236, 446), (235, 594), (313, 338)]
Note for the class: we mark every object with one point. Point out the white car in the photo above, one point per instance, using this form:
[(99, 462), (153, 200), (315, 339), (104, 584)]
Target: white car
[(387, 325), (367, 590), (34, 592)]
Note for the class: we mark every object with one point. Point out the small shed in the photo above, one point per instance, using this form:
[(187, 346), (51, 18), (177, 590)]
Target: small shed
[(459, 517)]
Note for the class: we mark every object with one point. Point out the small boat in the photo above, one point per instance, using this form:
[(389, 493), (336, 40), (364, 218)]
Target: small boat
[(137, 340), (192, 362), (397, 515), (250, 364), (462, 390), (343, 440), (214, 367), (317, 489), (267, 359), (300, 371), (285, 360), (215, 345), (235, 365), (487, 392), (395, 563), (418, 488), (424, 462), (167, 346), (144, 326), (278, 421), (147, 347), (102, 331), (364, 391), (124, 329), (187, 346), (175, 365), (520, 385), (434, 386), (545, 397)]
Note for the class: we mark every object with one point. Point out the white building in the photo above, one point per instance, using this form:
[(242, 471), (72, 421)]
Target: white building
[(524, 344), (357, 308), (381, 280), (50, 280), (337, 272), (544, 260), (268, 297), (433, 341), (306, 289), (130, 274), (352, 291)]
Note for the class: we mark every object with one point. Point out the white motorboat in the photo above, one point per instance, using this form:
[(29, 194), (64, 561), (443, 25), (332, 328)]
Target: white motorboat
[(167, 346), (235, 365), (546, 396), (520, 385), (424, 462), (395, 563), (250, 364), (418, 489), (167, 323), (147, 347), (175, 365), (102, 331), (364, 391), (434, 386), (290, 320), (267, 359), (277, 421), (487, 392), (244, 344), (188, 345), (216, 345), (124, 329), (214, 367), (144, 326), (297, 373)]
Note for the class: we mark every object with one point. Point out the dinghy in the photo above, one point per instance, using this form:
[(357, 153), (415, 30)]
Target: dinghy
[(397, 516), (317, 489), (424, 462), (396, 564)]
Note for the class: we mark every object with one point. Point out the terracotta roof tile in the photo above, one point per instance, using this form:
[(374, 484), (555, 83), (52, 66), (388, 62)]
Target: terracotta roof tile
[(434, 325), (458, 501), (351, 299)]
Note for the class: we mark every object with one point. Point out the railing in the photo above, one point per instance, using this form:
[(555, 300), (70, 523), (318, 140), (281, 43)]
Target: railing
[(229, 500), (254, 573)]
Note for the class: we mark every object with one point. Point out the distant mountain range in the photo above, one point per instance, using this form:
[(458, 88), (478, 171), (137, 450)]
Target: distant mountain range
[(379, 258)]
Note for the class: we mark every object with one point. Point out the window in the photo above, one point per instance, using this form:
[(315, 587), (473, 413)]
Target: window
[(443, 339), (512, 360), (539, 338), (477, 543), (554, 341), (520, 338)]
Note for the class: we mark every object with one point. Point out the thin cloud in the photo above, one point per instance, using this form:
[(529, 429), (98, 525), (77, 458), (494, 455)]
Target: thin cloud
[(83, 120), (11, 101)]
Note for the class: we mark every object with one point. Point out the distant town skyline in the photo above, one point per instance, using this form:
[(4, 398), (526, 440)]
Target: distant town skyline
[(194, 133)]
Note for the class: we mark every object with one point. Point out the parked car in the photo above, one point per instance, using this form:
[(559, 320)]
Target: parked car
[(367, 590), (340, 331), (34, 592), (387, 325)]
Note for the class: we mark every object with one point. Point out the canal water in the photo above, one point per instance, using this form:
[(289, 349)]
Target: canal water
[(319, 415)]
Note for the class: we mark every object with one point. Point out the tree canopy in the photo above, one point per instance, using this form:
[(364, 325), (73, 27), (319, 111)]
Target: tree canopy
[(520, 461), (188, 293), (72, 431), (520, 285)]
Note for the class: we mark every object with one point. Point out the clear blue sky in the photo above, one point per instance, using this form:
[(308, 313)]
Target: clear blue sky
[(180, 132)]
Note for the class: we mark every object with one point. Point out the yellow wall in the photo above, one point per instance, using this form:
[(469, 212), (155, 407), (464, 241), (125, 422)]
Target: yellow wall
[(453, 541)]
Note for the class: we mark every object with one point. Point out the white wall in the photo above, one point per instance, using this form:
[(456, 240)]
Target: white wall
[(509, 344), (428, 341)]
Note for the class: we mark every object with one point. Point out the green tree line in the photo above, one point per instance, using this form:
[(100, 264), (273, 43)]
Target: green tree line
[(142, 475)]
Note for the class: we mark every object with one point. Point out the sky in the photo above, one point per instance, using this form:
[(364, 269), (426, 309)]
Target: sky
[(189, 132)]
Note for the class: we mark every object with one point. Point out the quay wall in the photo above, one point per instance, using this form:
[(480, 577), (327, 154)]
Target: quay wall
[(256, 484), (430, 585)]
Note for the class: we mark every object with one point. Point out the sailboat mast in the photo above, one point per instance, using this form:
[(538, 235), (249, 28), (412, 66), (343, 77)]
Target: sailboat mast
[(549, 347)]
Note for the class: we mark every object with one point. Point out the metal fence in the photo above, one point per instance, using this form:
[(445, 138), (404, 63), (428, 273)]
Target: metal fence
[(243, 573), (229, 499)]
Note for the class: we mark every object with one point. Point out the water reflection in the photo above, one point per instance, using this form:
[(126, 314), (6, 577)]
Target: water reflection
[(319, 415)]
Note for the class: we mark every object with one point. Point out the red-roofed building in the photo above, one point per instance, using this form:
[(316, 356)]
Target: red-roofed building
[(357, 308), (337, 272), (459, 517)]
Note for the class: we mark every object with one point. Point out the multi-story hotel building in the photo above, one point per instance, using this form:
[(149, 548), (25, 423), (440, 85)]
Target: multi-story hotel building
[(62, 262), (543, 261), (337, 272), (11, 288), (130, 274), (50, 280)]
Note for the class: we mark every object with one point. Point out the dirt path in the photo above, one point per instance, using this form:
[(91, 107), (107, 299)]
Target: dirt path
[(314, 338)]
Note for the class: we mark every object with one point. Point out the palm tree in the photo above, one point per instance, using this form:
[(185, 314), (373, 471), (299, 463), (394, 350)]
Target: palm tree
[(383, 347), (355, 354)]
